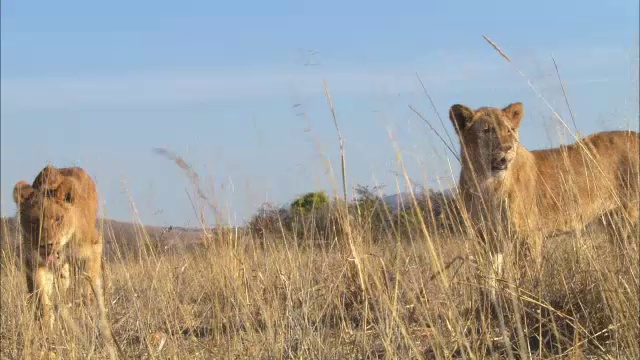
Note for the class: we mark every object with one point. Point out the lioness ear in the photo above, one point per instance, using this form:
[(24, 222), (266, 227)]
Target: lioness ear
[(514, 112), (67, 191), (461, 117), (21, 192)]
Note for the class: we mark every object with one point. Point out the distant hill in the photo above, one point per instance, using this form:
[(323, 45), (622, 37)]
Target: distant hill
[(403, 200), (127, 237)]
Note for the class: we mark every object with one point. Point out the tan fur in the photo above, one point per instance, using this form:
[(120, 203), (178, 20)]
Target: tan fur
[(58, 219), (509, 190)]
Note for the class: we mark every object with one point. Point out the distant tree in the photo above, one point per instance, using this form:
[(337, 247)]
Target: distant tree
[(438, 209), (366, 194), (310, 201), (269, 220), (372, 212)]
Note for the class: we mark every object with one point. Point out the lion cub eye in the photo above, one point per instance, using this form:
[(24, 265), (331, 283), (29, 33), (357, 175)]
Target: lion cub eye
[(486, 130)]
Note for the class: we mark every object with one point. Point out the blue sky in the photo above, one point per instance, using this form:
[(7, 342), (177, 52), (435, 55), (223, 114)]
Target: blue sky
[(235, 88)]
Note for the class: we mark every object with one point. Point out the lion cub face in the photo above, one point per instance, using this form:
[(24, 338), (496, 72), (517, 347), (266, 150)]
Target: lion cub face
[(46, 217), (489, 135)]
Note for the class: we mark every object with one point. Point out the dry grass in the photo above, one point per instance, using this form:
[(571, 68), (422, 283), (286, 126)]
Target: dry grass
[(279, 299)]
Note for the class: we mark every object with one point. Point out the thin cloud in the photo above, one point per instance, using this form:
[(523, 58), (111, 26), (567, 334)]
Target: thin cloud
[(176, 87), (201, 86)]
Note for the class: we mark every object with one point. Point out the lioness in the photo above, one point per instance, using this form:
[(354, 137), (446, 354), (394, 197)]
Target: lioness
[(58, 219), (510, 190)]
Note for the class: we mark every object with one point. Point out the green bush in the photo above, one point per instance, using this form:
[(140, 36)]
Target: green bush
[(309, 201)]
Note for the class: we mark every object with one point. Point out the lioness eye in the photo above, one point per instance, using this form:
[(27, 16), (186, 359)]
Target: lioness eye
[(59, 218)]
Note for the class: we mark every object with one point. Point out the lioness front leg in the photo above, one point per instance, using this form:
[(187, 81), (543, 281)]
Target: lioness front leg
[(632, 214), (535, 244)]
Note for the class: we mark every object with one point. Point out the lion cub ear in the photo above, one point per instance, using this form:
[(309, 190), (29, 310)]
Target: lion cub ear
[(67, 191), (21, 192), (47, 178), (514, 112), (461, 117)]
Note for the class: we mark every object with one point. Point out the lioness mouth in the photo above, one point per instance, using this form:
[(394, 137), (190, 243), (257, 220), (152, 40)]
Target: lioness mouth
[(499, 165)]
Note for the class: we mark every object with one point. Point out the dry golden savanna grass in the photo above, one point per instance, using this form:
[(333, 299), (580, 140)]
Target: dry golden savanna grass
[(367, 294)]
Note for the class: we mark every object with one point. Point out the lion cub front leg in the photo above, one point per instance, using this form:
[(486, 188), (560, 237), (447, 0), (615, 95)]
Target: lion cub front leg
[(63, 279), (95, 289), (41, 279), (92, 268), (64, 276), (42, 285)]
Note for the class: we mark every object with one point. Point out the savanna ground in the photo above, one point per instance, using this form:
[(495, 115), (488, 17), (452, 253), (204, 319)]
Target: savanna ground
[(342, 285)]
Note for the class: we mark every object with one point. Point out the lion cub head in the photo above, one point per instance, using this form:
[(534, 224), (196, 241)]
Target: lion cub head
[(46, 212), (488, 136)]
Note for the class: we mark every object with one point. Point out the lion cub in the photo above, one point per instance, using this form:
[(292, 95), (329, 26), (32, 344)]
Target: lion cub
[(509, 190), (58, 218)]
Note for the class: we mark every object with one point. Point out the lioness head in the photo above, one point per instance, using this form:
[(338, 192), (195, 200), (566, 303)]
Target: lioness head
[(46, 214), (489, 136)]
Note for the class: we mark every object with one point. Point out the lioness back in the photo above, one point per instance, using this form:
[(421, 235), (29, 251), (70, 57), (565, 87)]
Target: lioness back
[(597, 174)]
